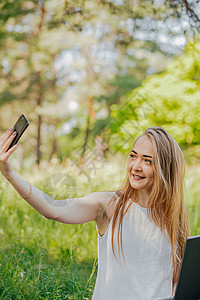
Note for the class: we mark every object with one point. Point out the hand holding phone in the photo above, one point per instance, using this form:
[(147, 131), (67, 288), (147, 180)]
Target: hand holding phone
[(19, 127)]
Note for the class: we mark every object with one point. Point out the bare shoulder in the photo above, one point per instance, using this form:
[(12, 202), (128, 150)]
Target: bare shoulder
[(102, 198)]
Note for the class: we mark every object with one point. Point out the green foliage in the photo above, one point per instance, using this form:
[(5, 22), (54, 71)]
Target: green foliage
[(192, 198), (118, 87), (34, 38), (170, 100)]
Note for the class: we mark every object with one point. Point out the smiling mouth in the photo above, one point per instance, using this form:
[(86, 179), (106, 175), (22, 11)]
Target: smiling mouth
[(136, 177)]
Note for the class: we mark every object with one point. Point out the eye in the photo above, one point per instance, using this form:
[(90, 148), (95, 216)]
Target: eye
[(132, 155), (149, 161)]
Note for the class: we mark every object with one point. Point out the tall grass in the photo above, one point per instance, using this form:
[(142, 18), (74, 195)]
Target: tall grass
[(44, 259), (192, 197)]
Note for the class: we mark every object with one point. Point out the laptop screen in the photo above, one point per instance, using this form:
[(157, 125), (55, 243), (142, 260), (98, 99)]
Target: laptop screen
[(188, 287)]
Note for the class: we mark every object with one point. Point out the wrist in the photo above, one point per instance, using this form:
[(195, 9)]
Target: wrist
[(8, 175)]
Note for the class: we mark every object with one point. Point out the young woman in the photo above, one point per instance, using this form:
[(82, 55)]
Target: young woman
[(148, 210)]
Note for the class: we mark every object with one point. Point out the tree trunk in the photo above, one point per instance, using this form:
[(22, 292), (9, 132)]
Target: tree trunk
[(86, 138), (54, 141), (39, 123), (90, 117), (39, 100), (54, 120)]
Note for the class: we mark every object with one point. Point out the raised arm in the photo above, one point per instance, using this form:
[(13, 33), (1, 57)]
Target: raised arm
[(71, 211)]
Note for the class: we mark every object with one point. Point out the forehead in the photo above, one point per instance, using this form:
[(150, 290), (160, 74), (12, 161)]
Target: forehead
[(143, 146)]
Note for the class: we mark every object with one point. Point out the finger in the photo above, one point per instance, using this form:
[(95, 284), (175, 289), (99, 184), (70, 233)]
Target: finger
[(7, 131), (7, 155), (6, 134), (6, 144), (4, 138)]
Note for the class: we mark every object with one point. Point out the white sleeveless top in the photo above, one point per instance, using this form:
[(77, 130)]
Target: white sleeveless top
[(146, 273)]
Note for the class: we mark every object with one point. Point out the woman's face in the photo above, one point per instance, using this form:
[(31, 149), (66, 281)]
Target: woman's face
[(140, 166)]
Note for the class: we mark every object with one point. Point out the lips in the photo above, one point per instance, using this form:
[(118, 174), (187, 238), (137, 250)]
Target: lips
[(137, 177)]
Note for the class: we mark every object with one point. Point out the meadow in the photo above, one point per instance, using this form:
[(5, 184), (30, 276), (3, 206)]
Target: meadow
[(44, 259)]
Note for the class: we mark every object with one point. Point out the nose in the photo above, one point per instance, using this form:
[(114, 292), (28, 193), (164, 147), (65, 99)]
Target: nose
[(137, 165)]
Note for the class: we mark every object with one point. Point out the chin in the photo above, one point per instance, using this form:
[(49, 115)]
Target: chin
[(137, 185)]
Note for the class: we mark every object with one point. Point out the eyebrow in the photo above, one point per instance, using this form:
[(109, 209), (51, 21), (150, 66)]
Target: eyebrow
[(142, 155)]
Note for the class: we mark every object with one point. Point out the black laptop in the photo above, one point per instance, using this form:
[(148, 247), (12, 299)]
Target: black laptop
[(188, 286)]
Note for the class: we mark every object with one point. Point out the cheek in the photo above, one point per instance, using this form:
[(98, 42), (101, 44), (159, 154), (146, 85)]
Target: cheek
[(149, 172), (130, 166)]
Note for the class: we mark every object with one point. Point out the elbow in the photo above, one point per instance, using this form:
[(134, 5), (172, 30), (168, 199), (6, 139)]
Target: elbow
[(54, 218), (49, 216)]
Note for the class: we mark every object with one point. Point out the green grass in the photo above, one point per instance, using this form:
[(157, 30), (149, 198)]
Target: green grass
[(192, 198), (44, 259)]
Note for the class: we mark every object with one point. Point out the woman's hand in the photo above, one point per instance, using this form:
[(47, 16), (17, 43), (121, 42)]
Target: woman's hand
[(5, 141)]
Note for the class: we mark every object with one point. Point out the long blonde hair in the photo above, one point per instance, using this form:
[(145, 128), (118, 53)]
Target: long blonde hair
[(166, 201)]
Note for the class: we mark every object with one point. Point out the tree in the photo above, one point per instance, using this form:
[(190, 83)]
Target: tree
[(169, 100), (104, 51)]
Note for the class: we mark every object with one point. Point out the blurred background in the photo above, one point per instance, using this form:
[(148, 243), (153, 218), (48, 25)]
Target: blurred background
[(90, 76)]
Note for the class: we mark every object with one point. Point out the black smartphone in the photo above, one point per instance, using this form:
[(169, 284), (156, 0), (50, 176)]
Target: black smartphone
[(20, 126)]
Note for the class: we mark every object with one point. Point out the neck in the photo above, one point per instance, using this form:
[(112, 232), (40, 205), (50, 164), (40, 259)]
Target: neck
[(142, 197)]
